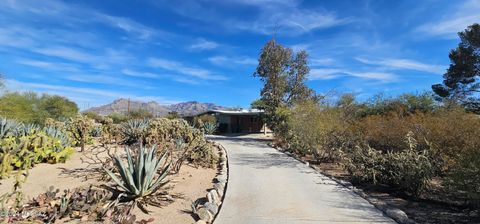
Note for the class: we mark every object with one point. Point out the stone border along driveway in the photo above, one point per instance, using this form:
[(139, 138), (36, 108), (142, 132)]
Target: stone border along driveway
[(396, 214), (207, 210)]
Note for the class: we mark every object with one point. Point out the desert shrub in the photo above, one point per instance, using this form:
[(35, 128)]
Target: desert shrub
[(139, 114), (402, 105), (183, 142), (311, 126), (199, 121), (173, 115), (464, 176), (410, 170), (94, 116), (79, 127), (118, 118)]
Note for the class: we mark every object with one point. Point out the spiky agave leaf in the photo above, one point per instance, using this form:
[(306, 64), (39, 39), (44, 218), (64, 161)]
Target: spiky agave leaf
[(138, 179)]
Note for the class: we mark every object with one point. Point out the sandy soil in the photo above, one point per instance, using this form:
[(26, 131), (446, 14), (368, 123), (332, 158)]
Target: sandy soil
[(191, 183)]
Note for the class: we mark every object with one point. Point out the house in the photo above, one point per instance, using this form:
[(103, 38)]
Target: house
[(239, 121)]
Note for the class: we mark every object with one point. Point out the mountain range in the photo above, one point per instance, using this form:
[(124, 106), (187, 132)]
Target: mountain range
[(184, 109)]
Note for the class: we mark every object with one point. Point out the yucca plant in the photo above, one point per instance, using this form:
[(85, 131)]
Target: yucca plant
[(140, 178), (134, 131), (209, 128)]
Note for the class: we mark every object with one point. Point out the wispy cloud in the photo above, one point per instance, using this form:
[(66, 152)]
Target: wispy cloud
[(139, 74), (404, 64), (107, 79), (67, 53), (224, 60), (458, 19), (282, 17), (178, 67), (333, 73), (203, 44), (49, 65)]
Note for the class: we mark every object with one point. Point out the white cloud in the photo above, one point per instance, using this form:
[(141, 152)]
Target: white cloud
[(324, 73), (128, 25), (333, 73), (202, 44), (405, 64), (49, 65), (106, 79), (224, 60), (67, 53), (463, 15), (178, 67), (139, 74), (321, 61)]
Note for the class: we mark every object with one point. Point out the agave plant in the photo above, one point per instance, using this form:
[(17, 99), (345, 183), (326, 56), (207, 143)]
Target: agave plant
[(210, 128), (26, 129), (57, 133), (8, 127), (139, 178), (134, 130), (96, 131)]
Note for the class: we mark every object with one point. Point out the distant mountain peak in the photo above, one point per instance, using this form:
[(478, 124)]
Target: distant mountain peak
[(122, 105)]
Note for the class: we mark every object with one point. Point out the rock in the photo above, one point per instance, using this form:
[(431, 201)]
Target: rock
[(169, 197), (214, 197), (201, 222), (398, 215), (211, 207), (219, 187), (221, 179), (204, 214)]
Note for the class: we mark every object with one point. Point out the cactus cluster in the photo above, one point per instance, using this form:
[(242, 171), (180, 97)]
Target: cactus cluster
[(23, 145)]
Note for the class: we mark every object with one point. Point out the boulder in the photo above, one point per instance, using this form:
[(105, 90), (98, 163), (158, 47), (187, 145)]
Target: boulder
[(204, 214), (211, 207)]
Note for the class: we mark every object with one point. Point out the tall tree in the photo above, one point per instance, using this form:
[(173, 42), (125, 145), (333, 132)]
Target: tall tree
[(461, 81), (283, 74)]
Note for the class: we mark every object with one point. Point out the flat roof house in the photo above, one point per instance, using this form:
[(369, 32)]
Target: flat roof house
[(238, 121)]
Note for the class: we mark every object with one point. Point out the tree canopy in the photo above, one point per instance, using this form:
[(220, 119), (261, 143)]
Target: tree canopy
[(461, 81), (283, 74), (30, 107)]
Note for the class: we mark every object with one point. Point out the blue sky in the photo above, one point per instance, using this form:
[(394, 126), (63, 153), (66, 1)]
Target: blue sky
[(171, 51)]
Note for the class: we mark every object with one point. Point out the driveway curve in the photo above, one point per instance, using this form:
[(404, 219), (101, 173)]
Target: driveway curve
[(267, 186)]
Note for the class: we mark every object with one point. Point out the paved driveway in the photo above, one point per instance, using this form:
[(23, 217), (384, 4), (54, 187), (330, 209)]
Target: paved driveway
[(266, 186)]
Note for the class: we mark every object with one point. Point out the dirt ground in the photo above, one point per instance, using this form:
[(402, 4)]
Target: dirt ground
[(190, 183)]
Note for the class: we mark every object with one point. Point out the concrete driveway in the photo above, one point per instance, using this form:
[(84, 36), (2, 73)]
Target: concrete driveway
[(267, 186)]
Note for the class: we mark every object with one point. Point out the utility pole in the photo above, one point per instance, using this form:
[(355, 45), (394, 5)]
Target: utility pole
[(128, 106)]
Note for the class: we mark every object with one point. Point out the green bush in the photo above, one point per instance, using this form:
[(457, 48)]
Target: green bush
[(118, 118)]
